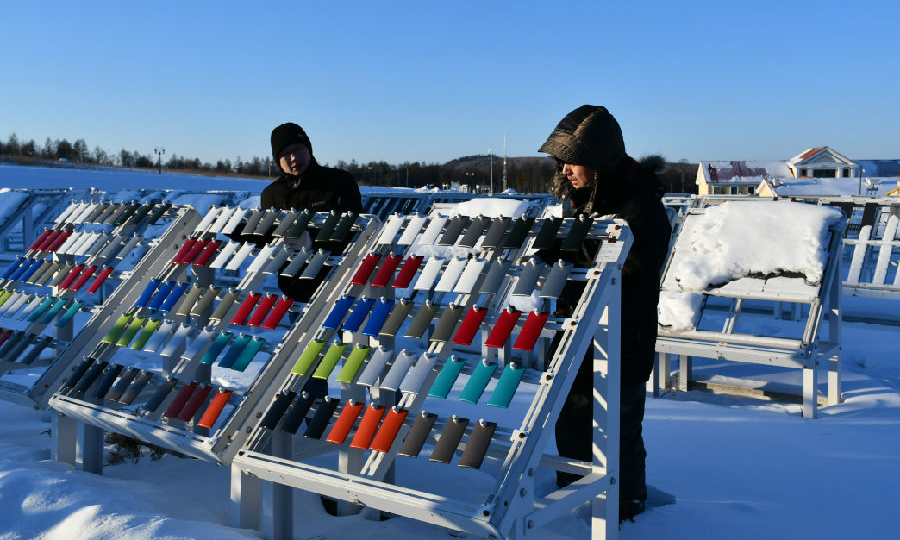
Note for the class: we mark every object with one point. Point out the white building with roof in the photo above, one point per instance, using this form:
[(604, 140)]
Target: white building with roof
[(817, 171)]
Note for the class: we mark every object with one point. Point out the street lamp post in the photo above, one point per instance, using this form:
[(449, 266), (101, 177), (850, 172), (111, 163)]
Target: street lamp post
[(491, 155), (159, 151)]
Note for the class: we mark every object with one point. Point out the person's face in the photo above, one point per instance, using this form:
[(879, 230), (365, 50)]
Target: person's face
[(579, 175), (294, 159)]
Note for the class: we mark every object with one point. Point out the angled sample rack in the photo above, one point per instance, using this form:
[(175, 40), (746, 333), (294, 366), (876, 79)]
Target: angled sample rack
[(434, 351), (771, 317), (871, 252), (181, 360), (90, 258)]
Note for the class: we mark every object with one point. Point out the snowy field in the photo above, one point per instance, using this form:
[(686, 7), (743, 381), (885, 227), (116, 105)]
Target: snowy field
[(718, 467)]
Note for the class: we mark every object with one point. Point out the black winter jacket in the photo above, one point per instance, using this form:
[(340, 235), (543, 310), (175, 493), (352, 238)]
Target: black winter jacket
[(319, 189), (631, 193)]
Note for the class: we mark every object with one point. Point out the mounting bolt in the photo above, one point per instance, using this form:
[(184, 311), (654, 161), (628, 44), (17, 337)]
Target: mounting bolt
[(523, 492), (530, 523), (530, 472), (612, 480)]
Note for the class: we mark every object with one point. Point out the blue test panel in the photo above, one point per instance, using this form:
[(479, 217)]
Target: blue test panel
[(161, 295), (379, 315), (174, 296), (333, 321), (148, 292), (358, 315)]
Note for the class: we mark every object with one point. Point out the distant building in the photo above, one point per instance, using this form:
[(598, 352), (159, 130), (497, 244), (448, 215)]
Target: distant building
[(817, 171)]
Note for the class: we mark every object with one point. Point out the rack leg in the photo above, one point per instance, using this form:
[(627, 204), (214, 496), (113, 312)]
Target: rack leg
[(684, 372), (91, 449), (65, 438), (246, 498), (809, 392)]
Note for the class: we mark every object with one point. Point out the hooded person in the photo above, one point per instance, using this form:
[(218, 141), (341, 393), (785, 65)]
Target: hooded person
[(596, 176), (304, 184)]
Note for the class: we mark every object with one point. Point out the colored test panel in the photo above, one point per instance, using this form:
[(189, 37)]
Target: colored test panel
[(531, 331), (277, 409), (235, 351), (407, 272), (470, 325), (577, 233), (98, 281), (398, 371), (478, 381), (547, 235), (429, 274), (246, 307), (378, 317), (321, 418), (283, 305), (477, 444), (243, 360), (416, 377), (502, 328), (373, 369), (358, 315), (181, 398), (473, 233), (417, 436), (354, 362), (366, 267), (345, 422), (495, 233), (291, 421), (307, 358), (262, 310), (506, 386), (443, 330), (395, 319), (330, 360), (116, 330), (214, 409), (367, 426), (421, 321), (517, 235), (555, 282), (449, 441), (384, 274), (527, 281), (384, 439), (340, 309), (216, 348), (447, 377)]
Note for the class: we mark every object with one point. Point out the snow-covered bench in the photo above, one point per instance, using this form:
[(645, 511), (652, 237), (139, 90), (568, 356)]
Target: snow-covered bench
[(732, 268)]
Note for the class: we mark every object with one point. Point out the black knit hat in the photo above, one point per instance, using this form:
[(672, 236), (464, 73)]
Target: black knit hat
[(286, 135), (588, 136)]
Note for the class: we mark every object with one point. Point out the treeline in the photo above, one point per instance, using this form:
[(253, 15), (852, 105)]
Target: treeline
[(472, 173)]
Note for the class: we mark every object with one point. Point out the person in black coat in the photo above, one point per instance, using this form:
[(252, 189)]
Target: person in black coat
[(596, 176), (306, 185)]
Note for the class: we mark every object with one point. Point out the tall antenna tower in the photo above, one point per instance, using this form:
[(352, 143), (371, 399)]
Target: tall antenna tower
[(504, 162)]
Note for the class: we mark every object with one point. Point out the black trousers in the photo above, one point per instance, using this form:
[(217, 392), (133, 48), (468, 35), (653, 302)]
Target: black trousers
[(574, 432)]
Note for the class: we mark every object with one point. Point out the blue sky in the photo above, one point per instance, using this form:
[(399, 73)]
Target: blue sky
[(431, 81)]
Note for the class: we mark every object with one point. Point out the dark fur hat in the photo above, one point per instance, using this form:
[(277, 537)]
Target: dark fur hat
[(588, 136)]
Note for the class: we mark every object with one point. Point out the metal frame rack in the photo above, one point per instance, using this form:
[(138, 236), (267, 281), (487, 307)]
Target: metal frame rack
[(385, 203), (91, 249), (413, 325), (871, 245), (811, 350), (189, 330)]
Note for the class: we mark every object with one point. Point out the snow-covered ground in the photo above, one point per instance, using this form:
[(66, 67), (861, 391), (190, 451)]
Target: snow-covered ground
[(718, 467)]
